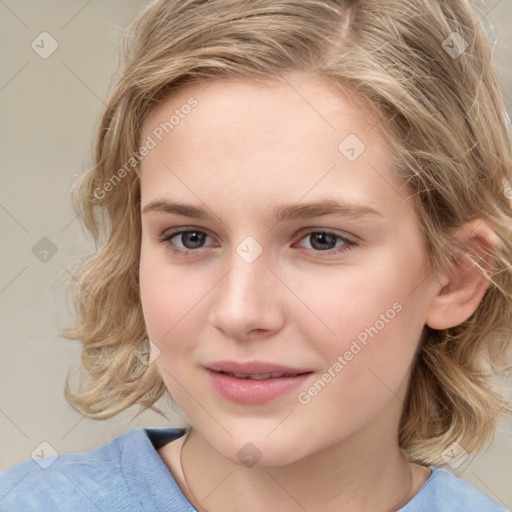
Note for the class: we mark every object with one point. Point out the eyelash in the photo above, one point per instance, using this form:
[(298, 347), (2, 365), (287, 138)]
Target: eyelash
[(348, 243)]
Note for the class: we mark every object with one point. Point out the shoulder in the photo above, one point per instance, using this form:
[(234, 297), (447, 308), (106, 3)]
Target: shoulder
[(444, 492), (85, 481)]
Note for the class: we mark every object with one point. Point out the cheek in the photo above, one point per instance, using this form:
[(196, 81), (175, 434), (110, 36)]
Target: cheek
[(174, 305), (167, 305), (375, 324), (351, 300), (165, 298)]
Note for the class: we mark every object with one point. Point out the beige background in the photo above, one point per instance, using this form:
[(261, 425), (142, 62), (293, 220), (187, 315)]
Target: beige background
[(49, 109)]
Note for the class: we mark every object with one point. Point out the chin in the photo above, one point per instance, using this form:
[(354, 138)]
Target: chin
[(260, 453)]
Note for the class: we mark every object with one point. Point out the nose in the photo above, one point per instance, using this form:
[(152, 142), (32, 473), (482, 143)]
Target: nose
[(248, 300)]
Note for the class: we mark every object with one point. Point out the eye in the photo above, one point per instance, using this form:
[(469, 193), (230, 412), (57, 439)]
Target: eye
[(190, 239), (325, 241), (184, 241)]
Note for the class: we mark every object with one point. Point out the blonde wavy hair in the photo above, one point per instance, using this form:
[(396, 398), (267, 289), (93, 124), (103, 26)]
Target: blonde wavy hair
[(425, 66)]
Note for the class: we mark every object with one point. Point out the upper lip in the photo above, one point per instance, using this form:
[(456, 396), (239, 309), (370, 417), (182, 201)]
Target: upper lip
[(253, 368)]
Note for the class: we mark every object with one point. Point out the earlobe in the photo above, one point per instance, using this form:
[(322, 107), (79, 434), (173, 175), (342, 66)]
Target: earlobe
[(464, 284)]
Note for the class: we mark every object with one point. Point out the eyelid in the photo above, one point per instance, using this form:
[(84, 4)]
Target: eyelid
[(348, 243), (169, 234), (348, 240), (332, 231)]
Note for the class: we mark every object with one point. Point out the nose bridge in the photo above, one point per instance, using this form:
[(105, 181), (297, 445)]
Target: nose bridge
[(245, 299)]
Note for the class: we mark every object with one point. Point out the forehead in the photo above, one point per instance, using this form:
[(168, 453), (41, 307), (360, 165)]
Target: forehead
[(298, 104), (297, 137)]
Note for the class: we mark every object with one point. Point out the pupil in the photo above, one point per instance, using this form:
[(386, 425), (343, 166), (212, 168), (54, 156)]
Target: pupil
[(323, 238), (196, 239)]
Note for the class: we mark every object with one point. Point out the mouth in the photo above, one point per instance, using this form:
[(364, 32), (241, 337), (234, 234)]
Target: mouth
[(256, 388), (263, 376), (255, 369)]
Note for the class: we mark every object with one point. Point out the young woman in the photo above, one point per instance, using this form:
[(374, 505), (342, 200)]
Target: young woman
[(305, 206)]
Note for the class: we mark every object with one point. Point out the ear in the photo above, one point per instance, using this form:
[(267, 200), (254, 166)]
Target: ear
[(464, 285)]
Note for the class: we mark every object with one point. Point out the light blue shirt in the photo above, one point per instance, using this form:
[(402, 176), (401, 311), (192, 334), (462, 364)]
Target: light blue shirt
[(127, 474)]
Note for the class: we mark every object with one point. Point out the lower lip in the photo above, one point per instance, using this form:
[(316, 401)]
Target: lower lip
[(253, 392)]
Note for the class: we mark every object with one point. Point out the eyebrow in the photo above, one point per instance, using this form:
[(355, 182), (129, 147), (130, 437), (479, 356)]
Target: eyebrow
[(279, 213)]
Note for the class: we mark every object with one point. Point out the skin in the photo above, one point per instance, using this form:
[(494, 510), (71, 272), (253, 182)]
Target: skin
[(245, 149)]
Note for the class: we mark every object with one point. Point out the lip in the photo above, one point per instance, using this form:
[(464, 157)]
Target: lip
[(253, 392), (253, 367)]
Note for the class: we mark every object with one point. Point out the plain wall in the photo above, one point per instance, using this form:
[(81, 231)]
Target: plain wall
[(49, 110)]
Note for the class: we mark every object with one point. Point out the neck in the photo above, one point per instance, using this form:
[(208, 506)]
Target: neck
[(354, 476)]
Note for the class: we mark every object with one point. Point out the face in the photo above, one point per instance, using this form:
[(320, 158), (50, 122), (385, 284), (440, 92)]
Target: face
[(295, 245)]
